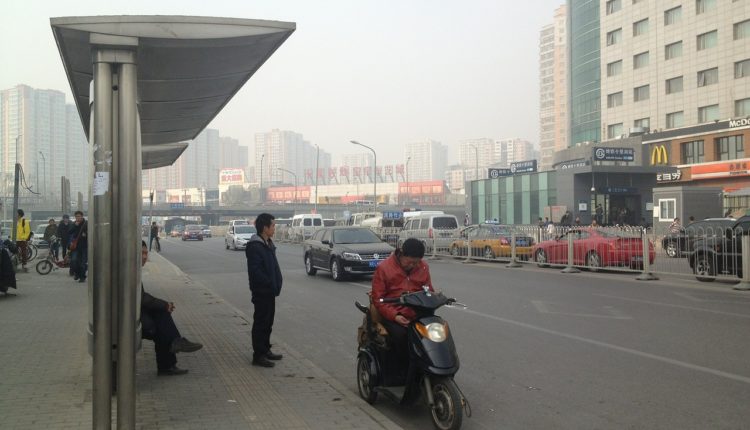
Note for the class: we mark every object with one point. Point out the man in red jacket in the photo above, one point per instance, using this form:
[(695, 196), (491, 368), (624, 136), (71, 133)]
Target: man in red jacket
[(403, 272)]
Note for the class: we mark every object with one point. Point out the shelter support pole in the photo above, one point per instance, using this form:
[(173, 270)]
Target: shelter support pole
[(744, 284), (570, 268), (513, 258), (646, 275)]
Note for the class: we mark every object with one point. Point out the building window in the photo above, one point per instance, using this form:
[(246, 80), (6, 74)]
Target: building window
[(614, 130), (640, 60), (673, 50), (614, 100), (615, 68), (614, 37), (641, 93), (742, 107), (742, 29), (707, 40), (641, 27), (643, 123), (613, 6), (692, 152), (742, 69), (674, 85), (708, 77), (702, 6), (730, 148), (675, 119), (708, 113), (667, 209), (673, 15)]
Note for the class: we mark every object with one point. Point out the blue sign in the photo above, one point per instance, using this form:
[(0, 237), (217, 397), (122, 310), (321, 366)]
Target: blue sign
[(177, 205), (614, 154), (392, 215)]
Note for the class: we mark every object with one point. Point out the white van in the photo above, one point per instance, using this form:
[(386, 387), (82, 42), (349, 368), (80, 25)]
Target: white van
[(304, 225), (359, 218), (432, 229)]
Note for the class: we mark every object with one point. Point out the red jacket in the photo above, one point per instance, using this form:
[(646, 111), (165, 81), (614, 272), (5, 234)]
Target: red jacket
[(390, 280)]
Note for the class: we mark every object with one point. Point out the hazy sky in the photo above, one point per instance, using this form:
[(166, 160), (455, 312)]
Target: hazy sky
[(383, 72)]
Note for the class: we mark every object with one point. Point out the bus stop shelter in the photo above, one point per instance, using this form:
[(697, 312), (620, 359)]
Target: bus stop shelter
[(143, 85)]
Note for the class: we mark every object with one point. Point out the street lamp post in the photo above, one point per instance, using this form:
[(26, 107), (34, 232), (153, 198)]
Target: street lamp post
[(44, 176), (408, 192), (317, 166), (262, 156), (295, 182), (374, 170), (15, 193)]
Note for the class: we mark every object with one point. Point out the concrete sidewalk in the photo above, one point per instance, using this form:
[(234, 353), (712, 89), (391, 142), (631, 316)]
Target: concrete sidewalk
[(45, 375)]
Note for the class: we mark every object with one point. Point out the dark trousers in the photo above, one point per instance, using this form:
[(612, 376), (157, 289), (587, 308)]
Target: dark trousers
[(151, 242), (64, 246), (160, 327), (22, 251), (265, 308), (79, 262), (398, 338)]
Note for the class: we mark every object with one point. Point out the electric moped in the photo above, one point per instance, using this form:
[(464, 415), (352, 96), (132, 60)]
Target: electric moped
[(433, 360)]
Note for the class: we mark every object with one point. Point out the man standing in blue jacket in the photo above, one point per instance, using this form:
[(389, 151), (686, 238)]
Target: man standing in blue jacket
[(264, 276)]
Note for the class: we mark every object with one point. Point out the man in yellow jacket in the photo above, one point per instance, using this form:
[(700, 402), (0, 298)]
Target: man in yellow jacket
[(23, 233)]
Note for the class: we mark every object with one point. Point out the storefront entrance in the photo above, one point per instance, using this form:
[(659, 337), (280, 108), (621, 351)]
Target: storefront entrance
[(617, 209)]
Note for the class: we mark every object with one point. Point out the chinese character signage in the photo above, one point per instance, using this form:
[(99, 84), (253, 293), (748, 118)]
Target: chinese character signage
[(231, 177), (614, 154), (496, 173), (668, 177), (720, 170), (523, 166), (571, 164)]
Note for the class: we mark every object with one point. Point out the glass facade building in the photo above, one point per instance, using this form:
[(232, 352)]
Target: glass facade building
[(517, 199), (585, 73)]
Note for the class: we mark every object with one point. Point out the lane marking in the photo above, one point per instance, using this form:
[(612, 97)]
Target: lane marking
[(696, 298), (683, 364), (670, 305), (611, 313)]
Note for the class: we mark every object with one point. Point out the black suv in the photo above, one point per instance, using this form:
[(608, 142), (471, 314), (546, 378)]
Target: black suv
[(679, 244), (720, 254), (344, 251)]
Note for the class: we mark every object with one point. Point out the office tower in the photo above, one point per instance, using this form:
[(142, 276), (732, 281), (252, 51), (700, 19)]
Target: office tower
[(428, 160), (553, 89)]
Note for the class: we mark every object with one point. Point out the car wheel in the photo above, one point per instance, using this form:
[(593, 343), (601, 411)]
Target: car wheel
[(309, 269), (488, 253), (336, 272), (672, 250), (541, 258), (593, 261), (704, 268)]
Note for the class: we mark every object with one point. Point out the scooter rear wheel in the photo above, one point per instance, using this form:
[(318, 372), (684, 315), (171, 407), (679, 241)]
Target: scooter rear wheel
[(364, 380), (43, 267), (447, 412)]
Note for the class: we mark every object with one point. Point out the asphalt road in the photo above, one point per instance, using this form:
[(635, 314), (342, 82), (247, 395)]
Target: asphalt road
[(539, 349)]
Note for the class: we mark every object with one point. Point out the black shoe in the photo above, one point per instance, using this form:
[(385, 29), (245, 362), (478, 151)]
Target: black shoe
[(183, 345), (172, 371), (262, 361), (75, 278), (271, 356), (82, 280)]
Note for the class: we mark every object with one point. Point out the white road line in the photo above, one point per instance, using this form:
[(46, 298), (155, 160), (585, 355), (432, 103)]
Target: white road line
[(670, 305), (708, 370)]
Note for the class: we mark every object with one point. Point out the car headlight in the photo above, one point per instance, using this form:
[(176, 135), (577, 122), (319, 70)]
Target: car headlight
[(436, 332), (351, 256)]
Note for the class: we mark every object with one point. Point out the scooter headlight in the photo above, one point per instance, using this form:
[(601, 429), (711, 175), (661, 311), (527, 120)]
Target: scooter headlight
[(436, 332)]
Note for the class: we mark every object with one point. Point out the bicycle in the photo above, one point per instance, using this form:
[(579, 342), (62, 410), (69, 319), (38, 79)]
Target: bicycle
[(50, 262)]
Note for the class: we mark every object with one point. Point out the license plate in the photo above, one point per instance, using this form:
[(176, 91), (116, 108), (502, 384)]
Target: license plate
[(374, 263)]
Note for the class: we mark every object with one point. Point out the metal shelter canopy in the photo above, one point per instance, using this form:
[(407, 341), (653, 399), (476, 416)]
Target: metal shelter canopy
[(188, 69)]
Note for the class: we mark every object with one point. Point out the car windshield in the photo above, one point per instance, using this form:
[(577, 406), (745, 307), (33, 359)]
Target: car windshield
[(360, 235), (244, 229), (193, 228), (444, 222)]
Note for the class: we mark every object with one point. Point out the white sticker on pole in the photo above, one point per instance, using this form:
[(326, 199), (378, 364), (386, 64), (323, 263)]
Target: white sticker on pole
[(101, 183)]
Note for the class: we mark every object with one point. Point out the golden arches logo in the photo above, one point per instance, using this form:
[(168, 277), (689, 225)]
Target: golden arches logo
[(659, 155)]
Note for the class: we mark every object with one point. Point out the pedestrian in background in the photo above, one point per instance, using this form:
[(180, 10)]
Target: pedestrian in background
[(23, 234), (675, 227), (264, 277), (79, 247), (154, 236), (63, 234), (50, 234)]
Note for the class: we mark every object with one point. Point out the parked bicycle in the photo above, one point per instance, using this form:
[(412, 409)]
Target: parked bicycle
[(45, 266)]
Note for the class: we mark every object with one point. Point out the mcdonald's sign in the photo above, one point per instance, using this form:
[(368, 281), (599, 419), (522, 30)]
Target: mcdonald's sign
[(659, 155)]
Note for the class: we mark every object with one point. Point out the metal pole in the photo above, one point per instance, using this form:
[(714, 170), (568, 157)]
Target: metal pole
[(513, 261), (375, 170), (128, 246), (15, 194), (646, 275), (44, 176), (570, 268), (262, 156), (407, 180), (317, 162), (101, 238), (744, 284)]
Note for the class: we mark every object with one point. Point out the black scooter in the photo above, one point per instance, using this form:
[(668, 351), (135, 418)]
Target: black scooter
[(433, 361)]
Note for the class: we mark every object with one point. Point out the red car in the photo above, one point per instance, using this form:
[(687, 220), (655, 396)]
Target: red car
[(594, 248), (192, 232)]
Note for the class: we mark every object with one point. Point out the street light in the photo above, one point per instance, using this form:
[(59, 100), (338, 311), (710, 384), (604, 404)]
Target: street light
[(295, 182), (15, 193), (44, 176), (317, 166), (374, 170), (408, 193), (262, 156)]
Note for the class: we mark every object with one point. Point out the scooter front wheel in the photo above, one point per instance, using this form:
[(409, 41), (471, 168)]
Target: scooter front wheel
[(447, 411), (44, 267), (364, 379)]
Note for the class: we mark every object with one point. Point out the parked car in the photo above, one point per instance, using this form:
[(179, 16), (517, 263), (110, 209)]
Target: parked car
[(206, 230), (177, 230), (436, 229), (238, 235), (344, 251), (38, 238), (192, 232), (677, 244), (492, 241), (720, 254), (595, 249)]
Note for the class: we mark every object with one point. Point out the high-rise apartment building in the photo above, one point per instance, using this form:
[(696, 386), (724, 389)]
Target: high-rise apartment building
[(514, 150), (427, 160), (584, 71), (481, 153), (553, 89), (283, 149), (672, 64)]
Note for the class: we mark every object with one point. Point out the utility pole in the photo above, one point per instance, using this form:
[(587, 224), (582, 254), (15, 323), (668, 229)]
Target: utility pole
[(262, 156), (374, 168), (317, 163), (15, 194)]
